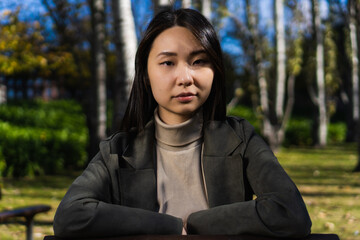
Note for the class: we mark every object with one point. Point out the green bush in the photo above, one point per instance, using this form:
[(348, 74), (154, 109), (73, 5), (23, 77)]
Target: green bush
[(337, 132), (248, 114), (298, 131), (39, 137), (62, 114), (2, 166)]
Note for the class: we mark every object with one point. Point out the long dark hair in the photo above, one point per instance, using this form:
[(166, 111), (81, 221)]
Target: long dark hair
[(141, 105)]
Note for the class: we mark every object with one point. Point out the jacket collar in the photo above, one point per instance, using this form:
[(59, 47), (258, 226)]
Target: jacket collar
[(140, 150), (220, 140)]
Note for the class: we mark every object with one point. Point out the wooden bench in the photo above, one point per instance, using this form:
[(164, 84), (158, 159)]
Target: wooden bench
[(28, 212)]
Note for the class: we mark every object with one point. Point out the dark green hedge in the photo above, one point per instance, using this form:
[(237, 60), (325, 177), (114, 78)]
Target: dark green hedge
[(248, 114), (298, 131), (42, 137)]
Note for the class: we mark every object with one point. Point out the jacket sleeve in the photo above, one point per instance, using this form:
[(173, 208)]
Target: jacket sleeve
[(278, 209), (87, 210)]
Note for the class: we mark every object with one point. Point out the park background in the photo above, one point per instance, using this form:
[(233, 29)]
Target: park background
[(292, 70)]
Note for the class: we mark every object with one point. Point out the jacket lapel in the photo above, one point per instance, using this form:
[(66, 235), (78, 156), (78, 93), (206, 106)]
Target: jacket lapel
[(138, 181), (139, 152), (222, 164)]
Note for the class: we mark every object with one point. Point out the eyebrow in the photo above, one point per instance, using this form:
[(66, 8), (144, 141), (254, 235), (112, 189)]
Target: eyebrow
[(193, 53)]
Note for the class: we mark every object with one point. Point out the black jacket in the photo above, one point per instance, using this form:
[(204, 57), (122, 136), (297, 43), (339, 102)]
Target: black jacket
[(117, 195)]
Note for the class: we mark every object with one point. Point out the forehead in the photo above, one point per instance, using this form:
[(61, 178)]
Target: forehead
[(176, 39)]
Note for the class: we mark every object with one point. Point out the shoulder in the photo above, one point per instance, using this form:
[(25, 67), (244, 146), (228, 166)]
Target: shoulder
[(234, 132), (116, 143), (241, 126), (239, 122)]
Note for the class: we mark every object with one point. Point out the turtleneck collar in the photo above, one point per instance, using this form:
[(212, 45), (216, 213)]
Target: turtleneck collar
[(179, 134)]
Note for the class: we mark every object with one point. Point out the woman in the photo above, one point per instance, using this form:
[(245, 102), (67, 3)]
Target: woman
[(179, 165)]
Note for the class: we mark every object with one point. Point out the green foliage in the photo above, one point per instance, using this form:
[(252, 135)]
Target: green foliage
[(24, 51), (337, 132), (248, 114), (2, 166), (20, 45), (298, 131), (39, 137)]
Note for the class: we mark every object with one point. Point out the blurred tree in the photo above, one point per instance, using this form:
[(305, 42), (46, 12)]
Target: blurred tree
[(98, 115), (259, 46), (319, 98), (73, 31), (354, 60), (126, 45), (159, 5), (261, 81), (280, 58), (22, 46), (186, 4), (206, 9), (354, 22), (25, 52)]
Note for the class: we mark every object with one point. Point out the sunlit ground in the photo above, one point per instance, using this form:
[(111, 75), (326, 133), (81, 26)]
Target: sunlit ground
[(329, 187), (22, 192), (324, 176)]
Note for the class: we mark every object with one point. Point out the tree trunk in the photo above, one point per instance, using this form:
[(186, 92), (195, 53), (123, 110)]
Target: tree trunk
[(268, 129), (280, 58), (186, 3), (320, 79), (355, 72), (126, 45), (354, 60), (99, 68), (160, 5), (354, 64), (97, 108), (206, 9)]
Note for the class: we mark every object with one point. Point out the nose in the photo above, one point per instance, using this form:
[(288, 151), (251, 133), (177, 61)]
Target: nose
[(185, 77)]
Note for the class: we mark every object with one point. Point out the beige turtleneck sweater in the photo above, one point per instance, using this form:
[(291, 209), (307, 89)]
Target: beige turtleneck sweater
[(179, 176)]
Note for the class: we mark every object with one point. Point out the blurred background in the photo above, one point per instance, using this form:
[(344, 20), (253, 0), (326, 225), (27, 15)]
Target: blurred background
[(66, 68)]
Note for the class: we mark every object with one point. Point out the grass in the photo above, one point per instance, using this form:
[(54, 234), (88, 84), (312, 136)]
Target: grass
[(324, 177), (24, 191), (329, 187)]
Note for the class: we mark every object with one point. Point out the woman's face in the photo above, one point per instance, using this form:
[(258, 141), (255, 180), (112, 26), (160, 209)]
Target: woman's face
[(180, 74)]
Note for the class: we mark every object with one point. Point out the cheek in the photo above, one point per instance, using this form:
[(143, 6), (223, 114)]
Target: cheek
[(157, 86), (207, 78)]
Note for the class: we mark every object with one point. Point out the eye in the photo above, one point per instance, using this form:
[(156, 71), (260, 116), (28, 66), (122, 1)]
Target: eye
[(200, 62), (167, 63)]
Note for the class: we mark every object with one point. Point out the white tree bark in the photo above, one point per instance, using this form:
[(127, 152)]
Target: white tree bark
[(164, 2), (268, 129), (280, 58), (100, 66), (354, 60), (159, 5), (320, 79), (126, 45), (186, 3), (128, 40), (206, 9)]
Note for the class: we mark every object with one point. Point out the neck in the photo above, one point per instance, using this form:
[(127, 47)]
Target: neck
[(173, 119)]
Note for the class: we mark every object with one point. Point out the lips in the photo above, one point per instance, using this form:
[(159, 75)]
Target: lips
[(185, 96)]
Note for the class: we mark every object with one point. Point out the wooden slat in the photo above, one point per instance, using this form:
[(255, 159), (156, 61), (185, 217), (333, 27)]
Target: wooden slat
[(27, 212)]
